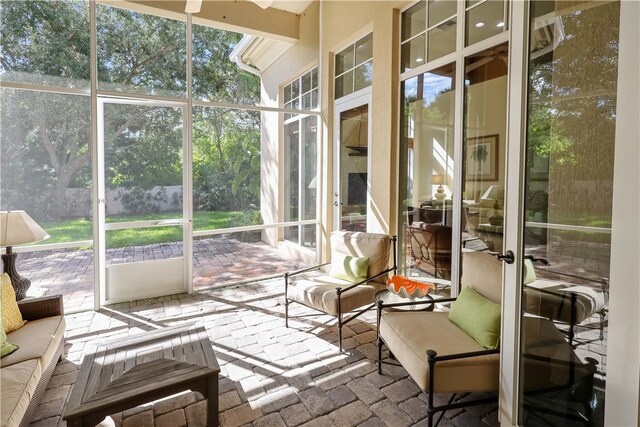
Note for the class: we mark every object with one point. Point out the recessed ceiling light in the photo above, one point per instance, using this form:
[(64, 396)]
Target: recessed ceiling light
[(500, 24), (480, 25), (419, 59)]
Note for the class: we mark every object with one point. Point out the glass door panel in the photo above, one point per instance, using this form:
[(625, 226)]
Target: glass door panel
[(425, 191), (292, 178), (144, 212), (568, 201), (485, 114), (300, 182), (353, 154)]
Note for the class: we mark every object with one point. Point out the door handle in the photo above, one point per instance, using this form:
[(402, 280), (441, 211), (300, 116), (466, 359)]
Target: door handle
[(507, 257), (535, 259)]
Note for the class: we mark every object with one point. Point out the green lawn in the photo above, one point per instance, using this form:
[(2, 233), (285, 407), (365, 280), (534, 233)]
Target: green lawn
[(81, 229)]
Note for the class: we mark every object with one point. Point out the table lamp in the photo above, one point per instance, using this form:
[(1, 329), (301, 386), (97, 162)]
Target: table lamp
[(438, 180), (495, 193), (17, 228)]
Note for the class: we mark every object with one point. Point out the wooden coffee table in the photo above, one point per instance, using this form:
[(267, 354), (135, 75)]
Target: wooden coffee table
[(130, 371)]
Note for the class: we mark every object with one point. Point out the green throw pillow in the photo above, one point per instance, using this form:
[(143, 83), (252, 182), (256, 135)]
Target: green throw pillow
[(478, 317), (350, 268), (6, 347)]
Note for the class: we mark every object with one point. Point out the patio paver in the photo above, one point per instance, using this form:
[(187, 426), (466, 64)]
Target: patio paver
[(270, 375), (216, 261)]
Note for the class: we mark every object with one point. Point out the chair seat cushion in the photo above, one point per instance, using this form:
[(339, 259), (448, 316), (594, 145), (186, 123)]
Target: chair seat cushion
[(552, 299), (410, 334), (319, 292), (19, 382), (37, 339)]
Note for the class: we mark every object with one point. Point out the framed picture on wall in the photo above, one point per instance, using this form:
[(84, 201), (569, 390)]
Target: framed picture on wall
[(482, 158)]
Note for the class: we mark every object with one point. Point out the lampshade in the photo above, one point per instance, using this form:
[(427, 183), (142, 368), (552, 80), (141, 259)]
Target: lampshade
[(437, 179), (17, 228), (494, 192)]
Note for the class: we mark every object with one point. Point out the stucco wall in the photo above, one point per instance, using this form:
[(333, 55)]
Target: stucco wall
[(327, 28), (345, 22), (298, 59)]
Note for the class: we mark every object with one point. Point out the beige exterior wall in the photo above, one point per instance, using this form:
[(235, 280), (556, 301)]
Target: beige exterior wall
[(326, 28), (297, 60), (344, 22)]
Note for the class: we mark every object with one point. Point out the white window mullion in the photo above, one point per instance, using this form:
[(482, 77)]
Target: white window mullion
[(513, 212), (301, 193), (97, 167), (187, 177), (458, 126)]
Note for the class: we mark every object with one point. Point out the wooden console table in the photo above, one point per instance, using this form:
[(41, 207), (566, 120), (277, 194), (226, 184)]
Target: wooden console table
[(130, 371)]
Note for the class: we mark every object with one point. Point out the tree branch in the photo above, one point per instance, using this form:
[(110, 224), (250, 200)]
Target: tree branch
[(77, 162), (159, 54), (48, 144), (124, 126)]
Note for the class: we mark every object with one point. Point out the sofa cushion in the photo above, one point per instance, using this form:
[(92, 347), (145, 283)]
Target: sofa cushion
[(19, 382), (410, 334), (37, 339), (373, 245), (320, 292)]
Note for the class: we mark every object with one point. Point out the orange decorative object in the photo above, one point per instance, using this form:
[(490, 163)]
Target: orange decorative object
[(408, 288)]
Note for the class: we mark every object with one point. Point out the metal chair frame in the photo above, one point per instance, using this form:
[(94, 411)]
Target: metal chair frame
[(432, 359), (339, 291)]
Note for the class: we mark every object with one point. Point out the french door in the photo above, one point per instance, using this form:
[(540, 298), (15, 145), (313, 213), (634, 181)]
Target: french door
[(352, 180), (534, 121), (145, 227), (562, 140)]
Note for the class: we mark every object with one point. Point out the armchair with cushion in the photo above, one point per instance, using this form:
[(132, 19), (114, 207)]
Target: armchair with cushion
[(324, 290), (457, 354), (558, 300)]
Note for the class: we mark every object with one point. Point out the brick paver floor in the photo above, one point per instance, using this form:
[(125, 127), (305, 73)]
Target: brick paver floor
[(216, 261), (270, 375)]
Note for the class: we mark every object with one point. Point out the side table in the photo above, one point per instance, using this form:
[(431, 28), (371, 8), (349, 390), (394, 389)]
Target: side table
[(388, 297)]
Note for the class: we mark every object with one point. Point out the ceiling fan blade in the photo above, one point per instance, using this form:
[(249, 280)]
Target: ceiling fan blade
[(263, 3), (193, 6)]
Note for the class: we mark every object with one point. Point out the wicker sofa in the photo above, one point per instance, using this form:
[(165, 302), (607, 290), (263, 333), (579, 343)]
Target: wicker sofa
[(26, 372)]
